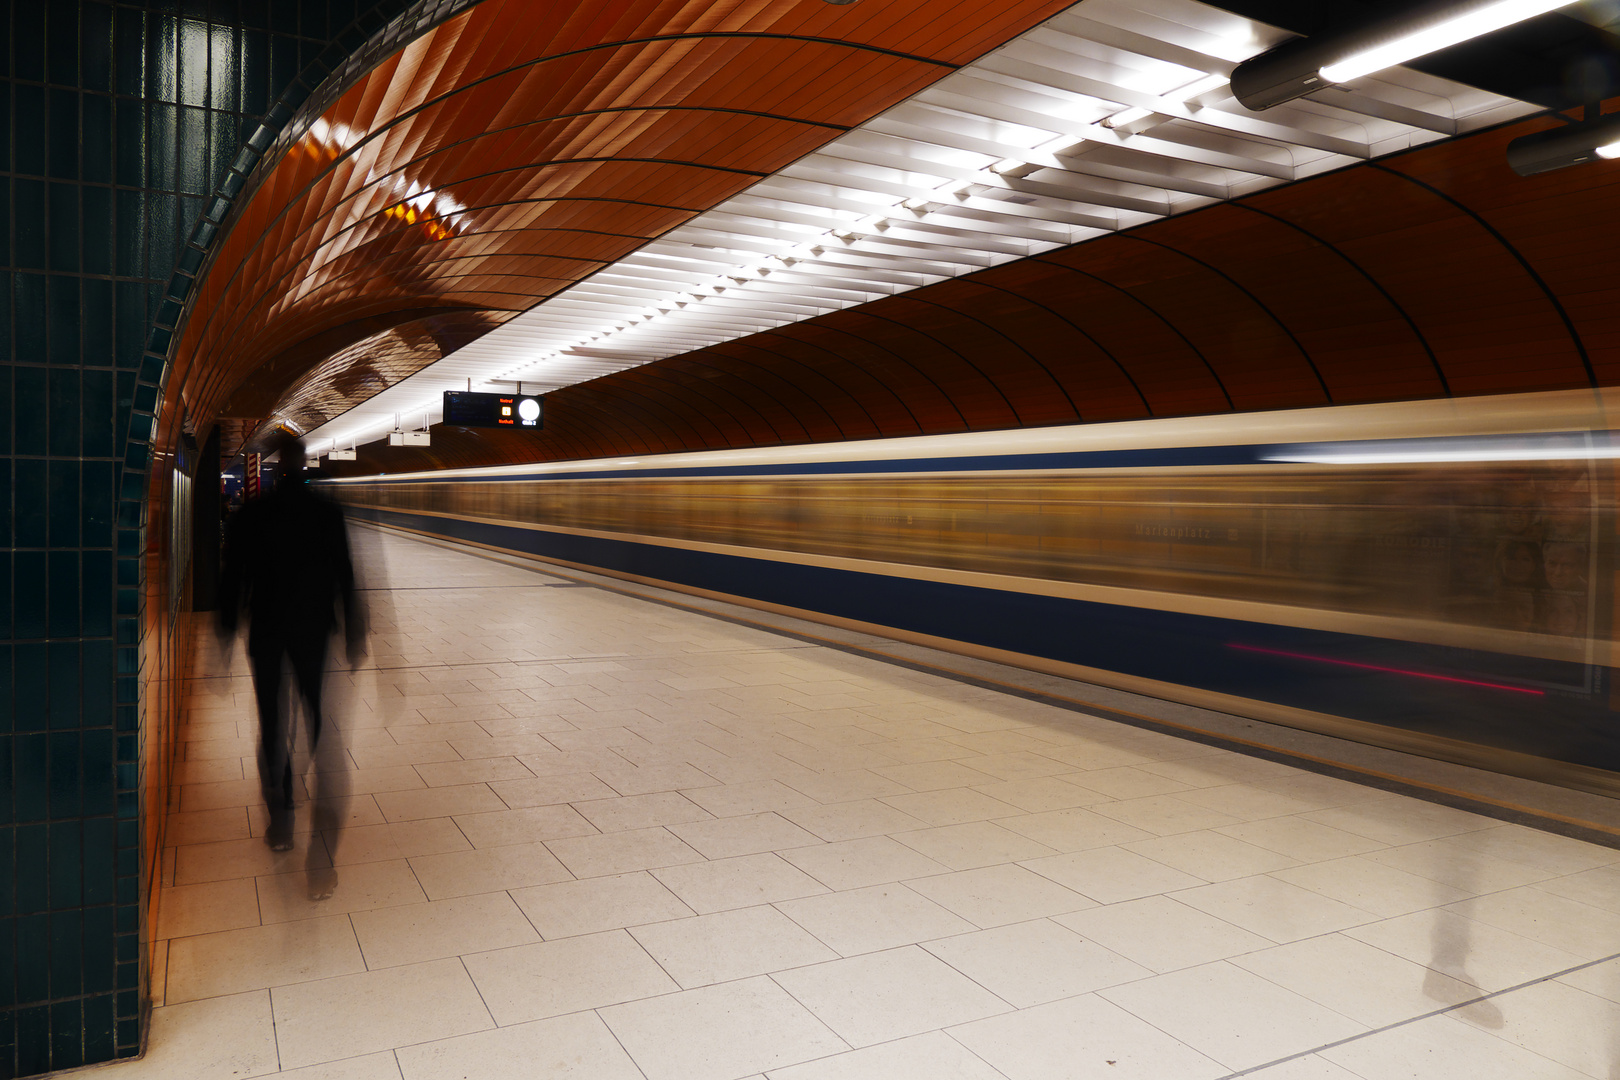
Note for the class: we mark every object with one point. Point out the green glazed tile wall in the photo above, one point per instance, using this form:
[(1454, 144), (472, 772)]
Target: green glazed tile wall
[(125, 129)]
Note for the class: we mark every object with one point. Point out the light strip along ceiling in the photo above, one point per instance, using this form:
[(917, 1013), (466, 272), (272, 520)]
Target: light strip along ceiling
[(1107, 116)]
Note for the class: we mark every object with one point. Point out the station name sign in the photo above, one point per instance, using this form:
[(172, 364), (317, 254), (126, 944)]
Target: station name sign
[(464, 408)]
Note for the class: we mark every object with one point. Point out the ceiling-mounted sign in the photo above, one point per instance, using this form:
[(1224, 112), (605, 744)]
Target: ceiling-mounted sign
[(465, 408)]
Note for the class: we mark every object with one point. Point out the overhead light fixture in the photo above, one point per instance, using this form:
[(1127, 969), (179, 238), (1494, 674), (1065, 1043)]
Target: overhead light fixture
[(1128, 116), (1306, 65), (1559, 148)]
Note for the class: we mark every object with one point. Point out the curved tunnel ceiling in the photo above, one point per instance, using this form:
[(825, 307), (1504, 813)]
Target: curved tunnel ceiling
[(1432, 273), (518, 147)]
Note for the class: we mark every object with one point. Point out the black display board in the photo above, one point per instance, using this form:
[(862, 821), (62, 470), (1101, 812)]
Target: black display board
[(464, 408)]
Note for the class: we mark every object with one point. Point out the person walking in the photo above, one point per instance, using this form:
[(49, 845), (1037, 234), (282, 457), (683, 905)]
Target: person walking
[(287, 563)]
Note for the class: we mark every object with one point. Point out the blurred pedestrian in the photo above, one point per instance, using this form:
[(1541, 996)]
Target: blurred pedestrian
[(287, 562)]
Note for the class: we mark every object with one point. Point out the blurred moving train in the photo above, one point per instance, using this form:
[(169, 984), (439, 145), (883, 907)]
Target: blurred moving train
[(1431, 576)]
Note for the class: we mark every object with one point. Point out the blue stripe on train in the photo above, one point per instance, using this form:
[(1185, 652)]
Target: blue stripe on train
[(1205, 652)]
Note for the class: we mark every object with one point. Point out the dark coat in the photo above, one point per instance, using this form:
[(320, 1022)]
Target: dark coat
[(287, 562)]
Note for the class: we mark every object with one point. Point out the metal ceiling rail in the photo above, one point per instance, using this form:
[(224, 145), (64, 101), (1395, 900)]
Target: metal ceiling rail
[(1110, 115)]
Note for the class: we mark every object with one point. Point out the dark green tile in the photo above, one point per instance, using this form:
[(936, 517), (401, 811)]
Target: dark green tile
[(129, 126), (99, 853), (64, 134), (28, 41), (95, 45), (67, 1029), (65, 672), (62, 43), (32, 679), (62, 480), (63, 242), (28, 243), (66, 840), (99, 767), (65, 407), (31, 486), (32, 858)]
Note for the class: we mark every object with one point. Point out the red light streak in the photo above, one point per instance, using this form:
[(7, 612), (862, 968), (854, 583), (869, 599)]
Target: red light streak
[(1390, 670)]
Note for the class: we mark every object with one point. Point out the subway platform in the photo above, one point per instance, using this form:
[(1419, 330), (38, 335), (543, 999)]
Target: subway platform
[(598, 836)]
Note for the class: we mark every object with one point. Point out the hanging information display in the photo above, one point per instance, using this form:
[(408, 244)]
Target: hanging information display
[(465, 408)]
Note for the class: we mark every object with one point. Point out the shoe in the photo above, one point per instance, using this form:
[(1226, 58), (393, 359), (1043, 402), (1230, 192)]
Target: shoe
[(280, 834)]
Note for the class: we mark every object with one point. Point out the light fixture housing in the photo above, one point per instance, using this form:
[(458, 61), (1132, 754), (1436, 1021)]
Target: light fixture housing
[(1561, 147), (1306, 65)]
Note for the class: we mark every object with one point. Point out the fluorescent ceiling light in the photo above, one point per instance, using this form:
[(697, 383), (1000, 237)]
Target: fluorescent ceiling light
[(1612, 150), (1460, 27)]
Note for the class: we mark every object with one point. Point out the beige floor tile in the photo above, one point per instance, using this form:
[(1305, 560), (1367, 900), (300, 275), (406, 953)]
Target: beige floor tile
[(730, 945), (1599, 888), (839, 787), (1030, 963), (855, 864), (1082, 1038), (1301, 839), (1273, 908), (379, 1066), (1161, 934), (417, 752), (414, 933), (1566, 924), (645, 781), (731, 1029), (938, 775), (1473, 952), (577, 1047), (1557, 1021), (496, 869), (1310, 1067), (734, 883), (1538, 849), (188, 910), (371, 781), (554, 788), (1040, 794), (1232, 1015), (852, 820), (591, 905), (620, 814), (1371, 885), (1164, 814), (997, 895), (622, 852), (979, 843), (1210, 855), (234, 961), (531, 982), (229, 859), (375, 1010), (1074, 830), (754, 797), (285, 897), (220, 795), (206, 826), (747, 834), (399, 840), (524, 826), (873, 919), (476, 771), (438, 802), (1600, 979), (1441, 1048), (1108, 875), (953, 806), (1471, 871), (203, 1040), (1400, 820), (1364, 983), (889, 995), (934, 1056)]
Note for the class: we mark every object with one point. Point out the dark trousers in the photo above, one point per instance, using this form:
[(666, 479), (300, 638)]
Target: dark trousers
[(305, 655)]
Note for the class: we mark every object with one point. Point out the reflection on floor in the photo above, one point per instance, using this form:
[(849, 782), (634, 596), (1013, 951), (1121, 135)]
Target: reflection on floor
[(593, 836)]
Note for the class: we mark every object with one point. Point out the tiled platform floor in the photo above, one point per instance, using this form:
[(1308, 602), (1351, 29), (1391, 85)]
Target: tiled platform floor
[(593, 836)]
